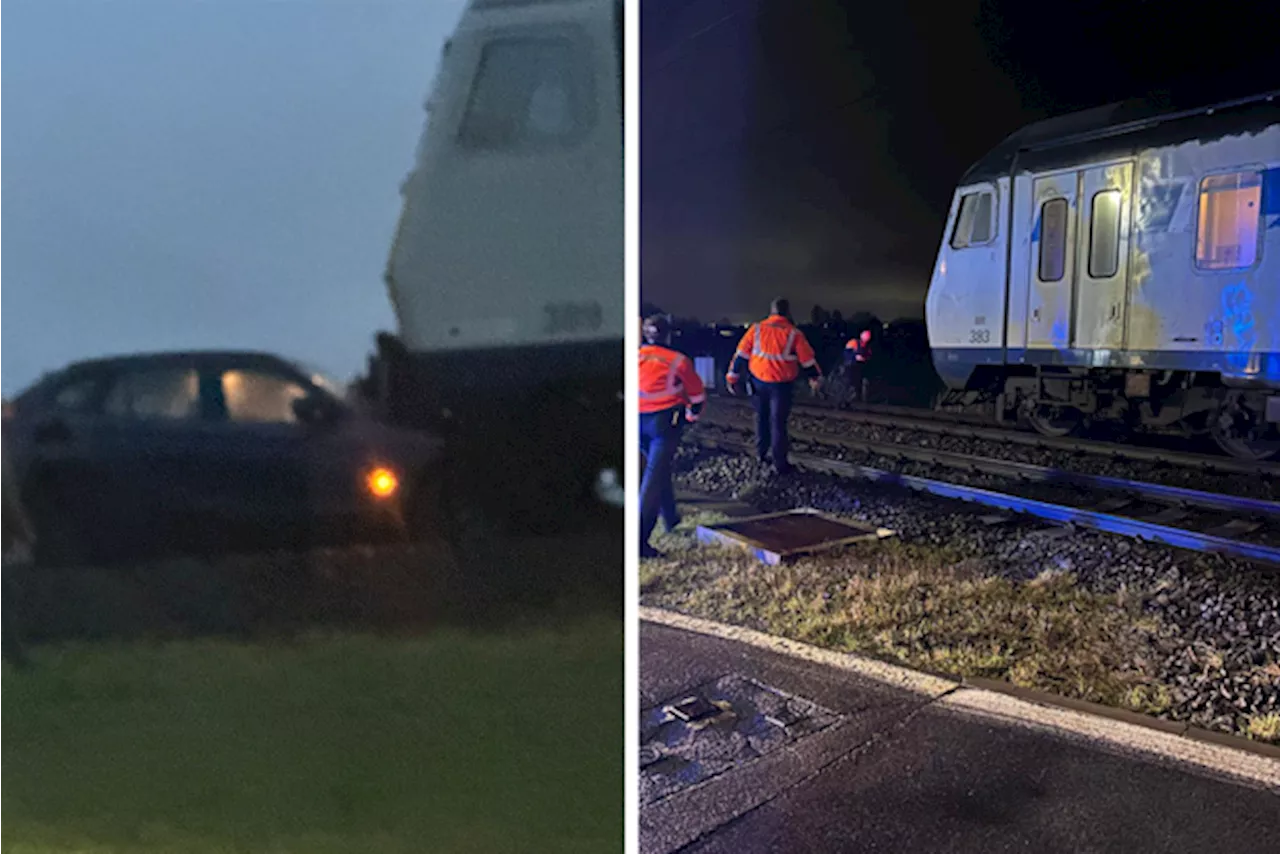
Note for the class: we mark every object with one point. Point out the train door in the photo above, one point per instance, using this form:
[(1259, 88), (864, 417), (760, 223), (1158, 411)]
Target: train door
[(1102, 257), (1053, 259)]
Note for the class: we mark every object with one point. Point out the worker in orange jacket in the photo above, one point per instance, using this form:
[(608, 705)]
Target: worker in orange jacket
[(776, 353), (671, 393), (857, 351)]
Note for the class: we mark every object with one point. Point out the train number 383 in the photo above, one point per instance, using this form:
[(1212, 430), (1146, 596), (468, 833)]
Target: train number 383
[(979, 336), (572, 317)]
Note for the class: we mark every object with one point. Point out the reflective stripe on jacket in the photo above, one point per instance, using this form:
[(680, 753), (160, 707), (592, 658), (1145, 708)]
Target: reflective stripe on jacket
[(668, 380)]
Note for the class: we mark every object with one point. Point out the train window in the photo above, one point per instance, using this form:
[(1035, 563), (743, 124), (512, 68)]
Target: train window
[(1228, 222), (1104, 235), (527, 93), (1053, 240), (974, 221)]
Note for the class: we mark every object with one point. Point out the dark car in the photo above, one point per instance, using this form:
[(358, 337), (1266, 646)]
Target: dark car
[(204, 452)]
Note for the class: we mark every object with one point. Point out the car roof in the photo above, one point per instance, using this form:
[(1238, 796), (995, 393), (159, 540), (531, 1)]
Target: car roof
[(198, 359), (193, 358)]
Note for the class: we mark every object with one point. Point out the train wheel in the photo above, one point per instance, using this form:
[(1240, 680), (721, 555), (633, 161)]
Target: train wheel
[(1241, 432), (1055, 424)]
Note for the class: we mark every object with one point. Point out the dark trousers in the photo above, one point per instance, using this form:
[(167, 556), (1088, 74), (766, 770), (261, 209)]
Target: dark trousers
[(855, 375), (659, 438), (773, 408)]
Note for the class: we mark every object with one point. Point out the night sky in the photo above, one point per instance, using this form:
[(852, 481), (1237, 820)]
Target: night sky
[(810, 149)]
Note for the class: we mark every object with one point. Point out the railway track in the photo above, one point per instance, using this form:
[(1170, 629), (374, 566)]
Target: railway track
[(953, 425), (911, 438), (1236, 526)]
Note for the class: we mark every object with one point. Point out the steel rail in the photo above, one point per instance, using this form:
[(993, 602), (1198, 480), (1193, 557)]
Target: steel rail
[(1098, 520), (1026, 472), (945, 424), (1174, 495)]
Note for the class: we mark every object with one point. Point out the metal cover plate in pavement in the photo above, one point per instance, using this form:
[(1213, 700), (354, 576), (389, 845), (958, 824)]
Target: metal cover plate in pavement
[(678, 750), (777, 536)]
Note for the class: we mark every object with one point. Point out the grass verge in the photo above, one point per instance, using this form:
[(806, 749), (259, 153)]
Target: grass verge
[(924, 608), (331, 743)]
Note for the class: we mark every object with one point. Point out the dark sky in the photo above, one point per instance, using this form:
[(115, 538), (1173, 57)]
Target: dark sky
[(810, 149)]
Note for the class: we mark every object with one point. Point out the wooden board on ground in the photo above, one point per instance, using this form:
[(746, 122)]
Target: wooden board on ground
[(775, 537)]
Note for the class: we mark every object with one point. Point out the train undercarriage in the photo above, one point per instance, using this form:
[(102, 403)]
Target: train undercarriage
[(533, 434), (1059, 402)]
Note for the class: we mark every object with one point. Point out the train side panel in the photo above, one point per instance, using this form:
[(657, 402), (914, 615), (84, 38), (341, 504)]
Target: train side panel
[(1142, 276), (965, 306), (1205, 261)]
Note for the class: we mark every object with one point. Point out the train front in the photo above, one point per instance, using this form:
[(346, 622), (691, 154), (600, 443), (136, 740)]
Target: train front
[(507, 271)]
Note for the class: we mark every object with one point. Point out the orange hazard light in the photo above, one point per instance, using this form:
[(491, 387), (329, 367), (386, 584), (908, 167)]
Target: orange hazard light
[(382, 482)]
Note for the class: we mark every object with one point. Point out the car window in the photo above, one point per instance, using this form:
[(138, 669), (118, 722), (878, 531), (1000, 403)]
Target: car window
[(76, 396), (254, 396), (155, 393), (321, 379)]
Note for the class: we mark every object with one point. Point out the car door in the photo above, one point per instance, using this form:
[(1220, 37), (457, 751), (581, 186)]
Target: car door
[(146, 450), (54, 435), (50, 440), (259, 447)]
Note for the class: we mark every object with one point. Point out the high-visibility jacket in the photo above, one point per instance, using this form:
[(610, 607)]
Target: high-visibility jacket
[(856, 351), (775, 351), (668, 380)]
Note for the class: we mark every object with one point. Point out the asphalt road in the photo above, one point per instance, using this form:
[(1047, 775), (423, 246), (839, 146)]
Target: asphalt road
[(899, 774)]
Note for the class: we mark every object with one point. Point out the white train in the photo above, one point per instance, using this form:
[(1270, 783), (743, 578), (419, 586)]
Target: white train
[(1120, 265), (506, 272)]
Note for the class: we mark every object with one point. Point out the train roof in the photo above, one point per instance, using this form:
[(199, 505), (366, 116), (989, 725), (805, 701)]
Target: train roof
[(1125, 126)]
